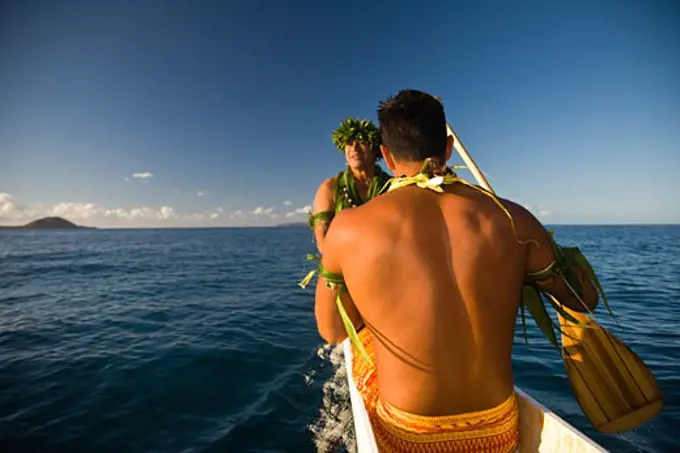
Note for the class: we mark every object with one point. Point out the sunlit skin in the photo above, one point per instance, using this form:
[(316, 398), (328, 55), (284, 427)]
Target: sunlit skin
[(436, 277), (361, 162)]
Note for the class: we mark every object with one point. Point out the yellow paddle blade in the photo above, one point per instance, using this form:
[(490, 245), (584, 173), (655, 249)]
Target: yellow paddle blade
[(615, 389)]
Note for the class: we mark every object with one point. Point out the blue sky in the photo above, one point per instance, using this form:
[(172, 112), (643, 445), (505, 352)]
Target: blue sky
[(572, 108)]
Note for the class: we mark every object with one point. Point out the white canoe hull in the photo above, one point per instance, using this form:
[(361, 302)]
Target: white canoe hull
[(541, 430)]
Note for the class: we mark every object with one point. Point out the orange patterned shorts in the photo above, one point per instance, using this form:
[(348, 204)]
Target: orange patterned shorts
[(491, 430)]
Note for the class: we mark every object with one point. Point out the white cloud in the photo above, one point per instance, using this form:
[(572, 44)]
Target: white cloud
[(120, 213), (200, 194), (263, 211), (127, 179), (6, 201), (85, 213), (88, 211), (195, 216), (76, 211), (287, 202), (145, 175), (167, 212), (137, 214), (8, 208), (216, 213), (91, 214), (299, 211)]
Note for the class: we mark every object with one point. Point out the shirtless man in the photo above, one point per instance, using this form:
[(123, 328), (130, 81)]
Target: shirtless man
[(436, 278), (361, 181)]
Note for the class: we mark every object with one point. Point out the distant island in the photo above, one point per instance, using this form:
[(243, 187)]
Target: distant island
[(292, 224), (48, 223)]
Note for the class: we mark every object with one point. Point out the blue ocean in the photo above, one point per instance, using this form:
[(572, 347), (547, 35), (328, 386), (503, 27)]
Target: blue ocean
[(200, 340)]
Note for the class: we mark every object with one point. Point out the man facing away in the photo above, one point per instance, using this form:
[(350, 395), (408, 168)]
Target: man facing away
[(360, 182), (435, 278)]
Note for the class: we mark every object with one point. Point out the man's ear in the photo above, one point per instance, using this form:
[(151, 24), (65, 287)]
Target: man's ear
[(389, 159), (449, 147)]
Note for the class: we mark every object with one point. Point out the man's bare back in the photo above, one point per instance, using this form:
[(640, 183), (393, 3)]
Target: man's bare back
[(437, 278), (438, 281)]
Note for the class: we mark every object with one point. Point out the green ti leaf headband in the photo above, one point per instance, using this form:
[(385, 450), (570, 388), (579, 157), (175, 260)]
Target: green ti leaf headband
[(354, 129)]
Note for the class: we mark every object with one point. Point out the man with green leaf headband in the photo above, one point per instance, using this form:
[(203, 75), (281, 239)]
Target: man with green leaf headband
[(360, 182), (436, 268)]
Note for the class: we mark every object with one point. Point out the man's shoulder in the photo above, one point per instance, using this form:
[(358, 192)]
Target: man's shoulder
[(349, 218), (363, 219), (326, 189), (351, 229), (328, 182), (520, 214)]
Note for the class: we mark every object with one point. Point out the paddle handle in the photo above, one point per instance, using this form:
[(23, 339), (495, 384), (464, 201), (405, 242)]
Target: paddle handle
[(462, 152)]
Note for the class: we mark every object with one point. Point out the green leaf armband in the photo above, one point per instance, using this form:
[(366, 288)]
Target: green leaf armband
[(336, 282), (323, 216), (566, 260)]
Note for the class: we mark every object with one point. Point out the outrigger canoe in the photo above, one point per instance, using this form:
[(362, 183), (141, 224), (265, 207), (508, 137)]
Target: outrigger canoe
[(540, 430)]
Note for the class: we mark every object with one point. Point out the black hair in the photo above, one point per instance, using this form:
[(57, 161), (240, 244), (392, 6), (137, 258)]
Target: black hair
[(413, 126)]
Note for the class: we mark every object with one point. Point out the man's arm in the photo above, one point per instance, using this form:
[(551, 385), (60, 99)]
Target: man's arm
[(323, 202), (328, 320), (542, 255)]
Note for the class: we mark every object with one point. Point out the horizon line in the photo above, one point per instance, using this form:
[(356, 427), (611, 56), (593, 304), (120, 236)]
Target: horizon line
[(291, 225)]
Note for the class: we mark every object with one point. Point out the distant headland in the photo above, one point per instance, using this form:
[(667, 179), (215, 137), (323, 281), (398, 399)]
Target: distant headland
[(292, 225), (48, 223)]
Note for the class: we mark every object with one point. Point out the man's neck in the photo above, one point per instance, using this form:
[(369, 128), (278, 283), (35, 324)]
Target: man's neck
[(408, 169), (363, 174), (413, 168)]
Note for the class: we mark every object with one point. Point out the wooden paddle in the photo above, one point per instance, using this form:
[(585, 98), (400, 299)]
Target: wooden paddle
[(614, 388)]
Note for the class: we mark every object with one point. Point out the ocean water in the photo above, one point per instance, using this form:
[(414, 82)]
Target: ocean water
[(201, 341)]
